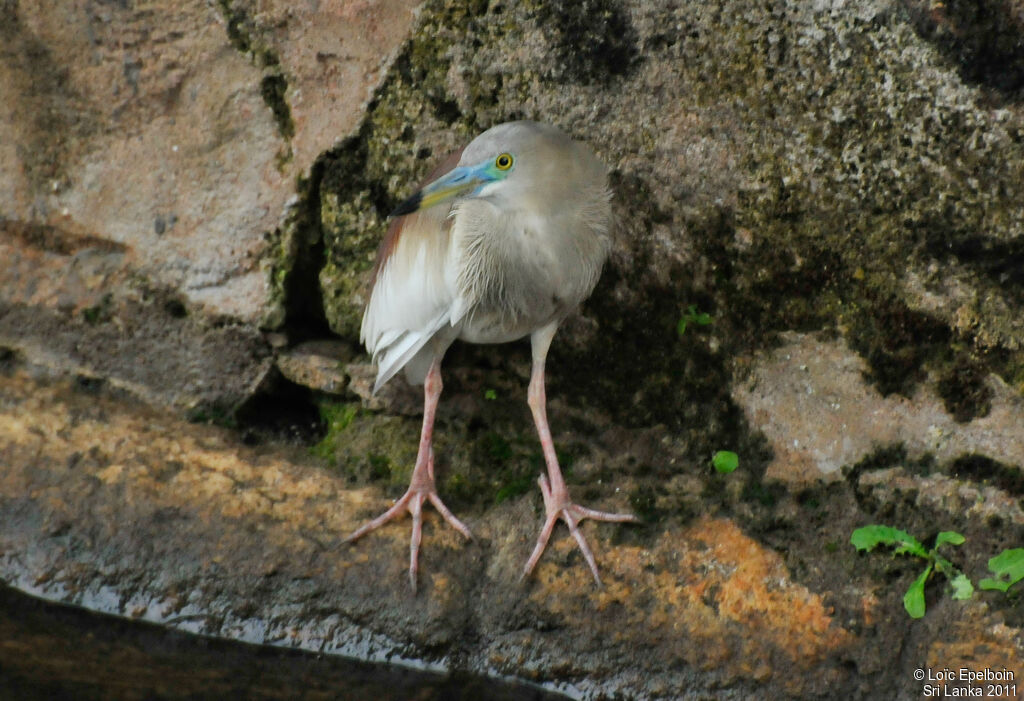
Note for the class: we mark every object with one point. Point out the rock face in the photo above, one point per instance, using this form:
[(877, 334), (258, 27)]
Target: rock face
[(152, 151), (190, 199), (124, 124), (809, 398)]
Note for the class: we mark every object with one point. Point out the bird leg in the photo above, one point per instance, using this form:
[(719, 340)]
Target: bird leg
[(421, 486), (556, 495)]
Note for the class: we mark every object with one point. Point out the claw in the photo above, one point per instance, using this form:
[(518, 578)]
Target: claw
[(558, 506), (412, 501), (421, 486), (556, 495)]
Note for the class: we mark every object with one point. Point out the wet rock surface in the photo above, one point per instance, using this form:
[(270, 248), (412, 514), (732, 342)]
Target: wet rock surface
[(191, 198), (125, 509), (52, 651)]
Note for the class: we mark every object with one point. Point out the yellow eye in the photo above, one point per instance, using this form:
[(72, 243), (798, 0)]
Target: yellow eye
[(503, 162)]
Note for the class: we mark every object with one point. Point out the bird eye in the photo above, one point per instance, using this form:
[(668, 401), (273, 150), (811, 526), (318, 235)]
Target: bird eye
[(503, 162)]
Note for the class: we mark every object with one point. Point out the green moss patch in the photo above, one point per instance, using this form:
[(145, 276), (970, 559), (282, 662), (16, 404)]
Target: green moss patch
[(367, 447), (247, 38)]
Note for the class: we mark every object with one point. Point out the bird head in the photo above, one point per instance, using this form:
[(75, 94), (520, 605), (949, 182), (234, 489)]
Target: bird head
[(516, 162)]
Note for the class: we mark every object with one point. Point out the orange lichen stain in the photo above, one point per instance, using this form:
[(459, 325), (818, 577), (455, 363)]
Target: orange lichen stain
[(440, 581), (245, 503), (755, 590), (978, 647), (869, 608), (444, 593), (111, 474), (613, 592), (162, 462), (731, 599)]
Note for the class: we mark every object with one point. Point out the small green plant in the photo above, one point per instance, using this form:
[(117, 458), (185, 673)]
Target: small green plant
[(868, 537), (99, 312), (490, 394), (1007, 568), (725, 461), (692, 316)]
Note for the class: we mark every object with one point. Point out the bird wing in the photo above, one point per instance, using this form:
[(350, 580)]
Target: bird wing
[(411, 294)]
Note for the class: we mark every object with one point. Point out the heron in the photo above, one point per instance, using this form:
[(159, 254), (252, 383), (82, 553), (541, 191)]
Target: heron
[(506, 240)]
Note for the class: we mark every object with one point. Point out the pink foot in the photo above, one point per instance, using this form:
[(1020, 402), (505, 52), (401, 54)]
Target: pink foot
[(421, 489), (558, 506)]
